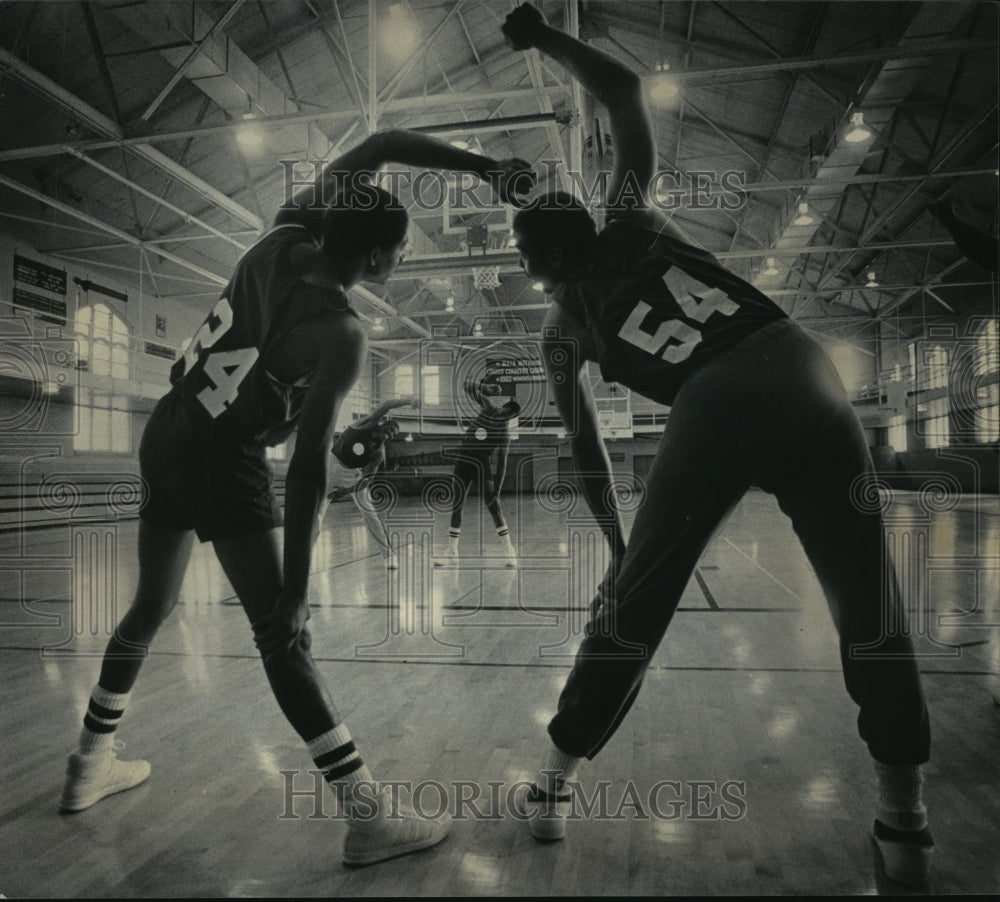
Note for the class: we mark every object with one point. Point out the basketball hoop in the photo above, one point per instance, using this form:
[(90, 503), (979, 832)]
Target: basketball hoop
[(485, 277), (613, 422)]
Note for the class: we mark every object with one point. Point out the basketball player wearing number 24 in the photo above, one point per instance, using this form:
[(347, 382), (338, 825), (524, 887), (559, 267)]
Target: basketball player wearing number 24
[(753, 401), (278, 353)]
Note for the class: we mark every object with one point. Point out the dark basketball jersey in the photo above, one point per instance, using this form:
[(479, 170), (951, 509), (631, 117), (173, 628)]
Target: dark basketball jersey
[(657, 308), (223, 372), (488, 435)]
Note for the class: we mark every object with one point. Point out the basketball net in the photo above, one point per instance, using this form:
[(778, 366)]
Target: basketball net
[(485, 277)]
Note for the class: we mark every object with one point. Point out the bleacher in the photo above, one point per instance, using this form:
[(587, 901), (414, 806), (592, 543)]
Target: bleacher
[(41, 492)]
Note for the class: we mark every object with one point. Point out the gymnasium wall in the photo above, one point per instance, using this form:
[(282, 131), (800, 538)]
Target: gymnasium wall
[(45, 379), (76, 391)]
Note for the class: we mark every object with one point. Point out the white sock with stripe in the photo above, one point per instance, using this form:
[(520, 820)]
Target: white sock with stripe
[(504, 533), (104, 713), (334, 754)]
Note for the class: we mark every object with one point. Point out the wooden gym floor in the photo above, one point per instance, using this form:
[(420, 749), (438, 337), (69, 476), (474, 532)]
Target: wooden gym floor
[(447, 676)]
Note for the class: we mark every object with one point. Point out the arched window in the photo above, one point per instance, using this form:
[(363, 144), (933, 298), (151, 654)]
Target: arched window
[(103, 341), (988, 394)]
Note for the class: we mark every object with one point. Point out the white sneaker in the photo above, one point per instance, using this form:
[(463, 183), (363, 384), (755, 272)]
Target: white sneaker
[(546, 814), (448, 559), (391, 831), (89, 778), (906, 854)]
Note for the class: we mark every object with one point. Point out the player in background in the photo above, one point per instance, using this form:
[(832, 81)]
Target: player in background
[(754, 401), (483, 454), (373, 431)]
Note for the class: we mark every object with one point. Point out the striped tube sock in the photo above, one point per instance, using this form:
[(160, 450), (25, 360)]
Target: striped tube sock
[(104, 713), (504, 533), (900, 790), (334, 754), (557, 767), (453, 535)]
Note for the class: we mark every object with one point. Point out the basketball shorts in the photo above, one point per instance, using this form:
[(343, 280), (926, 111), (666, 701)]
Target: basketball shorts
[(199, 476)]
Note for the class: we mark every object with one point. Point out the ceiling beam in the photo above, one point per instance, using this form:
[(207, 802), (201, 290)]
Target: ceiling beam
[(96, 121), (133, 186), (207, 131), (111, 230), (182, 69), (912, 50)]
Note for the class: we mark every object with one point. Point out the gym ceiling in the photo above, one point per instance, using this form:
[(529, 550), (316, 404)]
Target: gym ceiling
[(151, 141)]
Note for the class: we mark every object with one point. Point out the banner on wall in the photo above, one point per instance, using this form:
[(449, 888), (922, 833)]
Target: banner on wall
[(157, 350), (46, 294), (514, 370), (40, 275)]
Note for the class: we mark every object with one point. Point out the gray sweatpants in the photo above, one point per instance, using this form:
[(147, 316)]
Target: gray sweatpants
[(770, 412)]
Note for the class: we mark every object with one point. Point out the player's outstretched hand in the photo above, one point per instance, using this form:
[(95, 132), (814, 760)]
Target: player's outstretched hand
[(522, 27), (278, 631), (397, 403), (516, 182), (606, 591)]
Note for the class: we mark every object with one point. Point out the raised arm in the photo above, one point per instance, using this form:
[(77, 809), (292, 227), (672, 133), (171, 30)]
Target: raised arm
[(508, 178), (306, 485), (575, 403), (384, 408), (615, 86)]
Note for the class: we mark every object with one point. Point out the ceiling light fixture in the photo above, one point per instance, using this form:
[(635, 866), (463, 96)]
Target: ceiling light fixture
[(250, 136), (805, 217), (379, 325), (662, 89), (399, 33), (858, 131), (249, 114), (872, 282), (772, 269)]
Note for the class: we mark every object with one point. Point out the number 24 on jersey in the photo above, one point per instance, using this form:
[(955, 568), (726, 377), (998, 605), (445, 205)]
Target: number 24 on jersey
[(225, 370)]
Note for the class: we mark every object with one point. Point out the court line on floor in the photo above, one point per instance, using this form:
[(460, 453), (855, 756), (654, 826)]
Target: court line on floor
[(451, 662), (709, 597), (234, 602), (764, 570)]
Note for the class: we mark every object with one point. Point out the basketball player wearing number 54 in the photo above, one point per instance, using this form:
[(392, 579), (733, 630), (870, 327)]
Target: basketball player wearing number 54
[(278, 352), (753, 401)]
